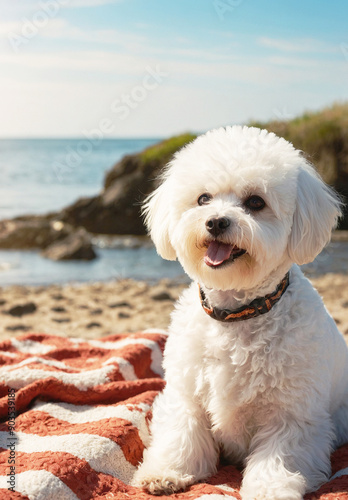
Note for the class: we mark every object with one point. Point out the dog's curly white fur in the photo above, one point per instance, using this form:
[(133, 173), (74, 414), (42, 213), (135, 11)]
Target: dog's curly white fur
[(271, 392)]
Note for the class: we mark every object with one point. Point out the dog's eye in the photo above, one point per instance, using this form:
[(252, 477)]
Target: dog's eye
[(204, 199), (255, 203)]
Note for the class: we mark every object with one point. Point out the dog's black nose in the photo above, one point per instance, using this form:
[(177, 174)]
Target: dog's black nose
[(217, 225)]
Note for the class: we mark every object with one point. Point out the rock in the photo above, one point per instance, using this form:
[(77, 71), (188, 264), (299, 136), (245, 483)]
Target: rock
[(18, 328), (123, 315), (58, 309), (32, 232), (22, 309), (119, 304), (93, 324), (57, 239), (116, 210), (322, 136), (58, 296), (75, 246), (97, 311), (162, 296)]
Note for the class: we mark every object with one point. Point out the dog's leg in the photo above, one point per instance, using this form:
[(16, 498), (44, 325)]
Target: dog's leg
[(182, 449), (288, 458)]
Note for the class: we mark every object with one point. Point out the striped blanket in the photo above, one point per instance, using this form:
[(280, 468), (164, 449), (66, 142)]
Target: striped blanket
[(75, 417)]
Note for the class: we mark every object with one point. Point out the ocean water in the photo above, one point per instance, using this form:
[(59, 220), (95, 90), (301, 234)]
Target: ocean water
[(29, 268), (39, 176), (42, 175)]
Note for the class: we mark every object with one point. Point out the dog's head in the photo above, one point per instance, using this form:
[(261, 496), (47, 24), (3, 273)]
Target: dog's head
[(236, 204)]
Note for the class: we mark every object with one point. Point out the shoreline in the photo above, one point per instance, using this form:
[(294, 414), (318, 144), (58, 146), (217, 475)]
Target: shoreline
[(339, 235), (93, 310), (131, 257)]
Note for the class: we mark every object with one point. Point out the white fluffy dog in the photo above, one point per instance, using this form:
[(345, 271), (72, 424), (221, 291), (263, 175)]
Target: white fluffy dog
[(264, 382)]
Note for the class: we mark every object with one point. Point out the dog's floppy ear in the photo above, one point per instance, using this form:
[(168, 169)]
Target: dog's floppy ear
[(156, 210), (317, 210)]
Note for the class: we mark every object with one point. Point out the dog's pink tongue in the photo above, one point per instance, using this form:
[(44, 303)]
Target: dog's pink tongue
[(217, 253)]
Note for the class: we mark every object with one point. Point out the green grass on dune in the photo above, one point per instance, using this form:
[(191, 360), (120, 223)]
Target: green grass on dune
[(321, 135), (163, 151)]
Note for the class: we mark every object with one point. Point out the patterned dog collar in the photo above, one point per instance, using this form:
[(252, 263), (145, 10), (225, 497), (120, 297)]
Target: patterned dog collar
[(257, 307)]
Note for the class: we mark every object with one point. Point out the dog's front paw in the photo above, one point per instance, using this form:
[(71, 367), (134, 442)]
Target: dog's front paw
[(164, 483), (268, 494), (285, 488)]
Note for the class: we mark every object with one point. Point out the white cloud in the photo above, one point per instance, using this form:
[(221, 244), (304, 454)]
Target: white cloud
[(88, 3), (295, 62), (72, 108), (20, 6), (302, 45), (7, 27), (61, 29), (186, 68), (73, 62), (68, 91)]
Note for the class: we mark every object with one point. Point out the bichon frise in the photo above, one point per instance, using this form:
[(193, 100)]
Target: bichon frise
[(255, 366)]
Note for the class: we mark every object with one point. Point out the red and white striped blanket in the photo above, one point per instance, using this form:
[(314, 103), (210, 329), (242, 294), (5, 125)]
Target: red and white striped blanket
[(75, 419)]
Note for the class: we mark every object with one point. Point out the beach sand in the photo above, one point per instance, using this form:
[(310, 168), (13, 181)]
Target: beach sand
[(93, 310)]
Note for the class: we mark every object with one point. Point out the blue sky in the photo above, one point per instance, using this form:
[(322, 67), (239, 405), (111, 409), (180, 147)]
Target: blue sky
[(153, 68)]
